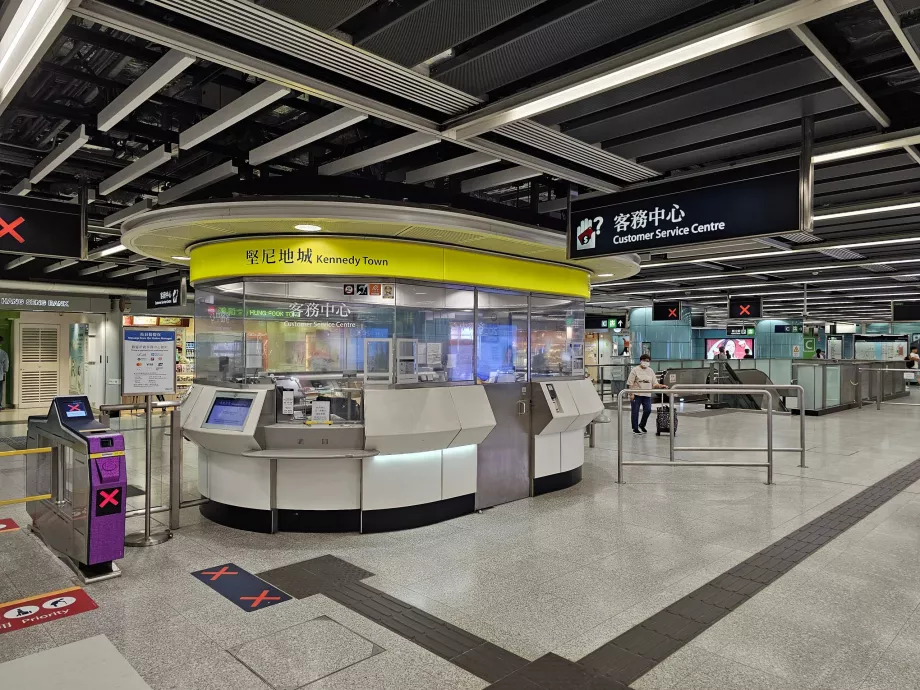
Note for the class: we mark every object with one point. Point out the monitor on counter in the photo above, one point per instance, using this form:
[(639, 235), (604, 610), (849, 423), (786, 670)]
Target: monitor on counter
[(229, 411)]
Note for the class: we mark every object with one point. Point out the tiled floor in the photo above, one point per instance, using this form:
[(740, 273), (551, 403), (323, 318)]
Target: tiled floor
[(559, 575)]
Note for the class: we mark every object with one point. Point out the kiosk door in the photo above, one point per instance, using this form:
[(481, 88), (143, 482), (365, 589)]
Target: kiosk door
[(503, 466)]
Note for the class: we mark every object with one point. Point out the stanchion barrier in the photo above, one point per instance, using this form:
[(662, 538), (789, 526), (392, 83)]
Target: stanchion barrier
[(711, 390), (772, 387), (175, 471)]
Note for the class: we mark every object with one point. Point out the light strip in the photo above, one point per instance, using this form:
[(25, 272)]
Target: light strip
[(866, 211)]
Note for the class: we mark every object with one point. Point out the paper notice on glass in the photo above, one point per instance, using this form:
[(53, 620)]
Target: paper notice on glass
[(434, 354), (452, 361), (421, 353), (320, 411), (287, 402)]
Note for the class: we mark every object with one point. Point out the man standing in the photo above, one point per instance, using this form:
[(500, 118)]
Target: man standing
[(723, 355), (642, 378), (4, 368)]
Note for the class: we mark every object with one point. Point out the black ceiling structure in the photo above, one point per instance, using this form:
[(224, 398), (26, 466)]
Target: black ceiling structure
[(417, 72)]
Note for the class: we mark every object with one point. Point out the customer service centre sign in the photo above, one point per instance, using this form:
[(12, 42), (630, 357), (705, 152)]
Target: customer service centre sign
[(670, 215)]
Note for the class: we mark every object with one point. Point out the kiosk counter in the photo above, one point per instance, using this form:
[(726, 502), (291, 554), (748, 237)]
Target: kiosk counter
[(372, 401)]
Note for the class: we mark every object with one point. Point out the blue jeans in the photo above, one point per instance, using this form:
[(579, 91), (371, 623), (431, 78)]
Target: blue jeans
[(645, 402)]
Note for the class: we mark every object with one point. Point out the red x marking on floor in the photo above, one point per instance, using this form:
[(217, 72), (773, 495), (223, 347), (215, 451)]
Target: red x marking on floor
[(745, 310), (259, 599), (108, 498), (10, 229), (217, 573)]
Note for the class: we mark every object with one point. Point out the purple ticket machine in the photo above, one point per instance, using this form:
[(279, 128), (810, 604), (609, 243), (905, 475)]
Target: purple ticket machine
[(84, 519)]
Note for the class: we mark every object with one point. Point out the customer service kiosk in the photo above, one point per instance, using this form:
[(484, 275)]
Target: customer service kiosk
[(83, 521)]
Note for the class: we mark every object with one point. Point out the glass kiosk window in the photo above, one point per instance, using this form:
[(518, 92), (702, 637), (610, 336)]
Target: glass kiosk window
[(229, 411)]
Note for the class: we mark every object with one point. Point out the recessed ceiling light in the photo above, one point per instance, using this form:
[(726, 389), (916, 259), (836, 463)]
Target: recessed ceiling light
[(605, 275), (306, 227), (112, 250), (181, 258)]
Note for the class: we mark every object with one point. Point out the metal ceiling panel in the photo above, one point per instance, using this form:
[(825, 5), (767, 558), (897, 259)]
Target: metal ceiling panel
[(862, 166), (692, 71), (649, 141), (635, 116), (322, 14), (753, 142), (576, 34), (882, 191), (877, 179), (438, 25)]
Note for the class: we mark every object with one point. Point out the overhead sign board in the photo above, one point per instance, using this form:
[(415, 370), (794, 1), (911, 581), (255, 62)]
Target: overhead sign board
[(666, 311), (36, 226), (671, 215), (169, 295), (593, 322), (742, 331), (905, 311), (788, 328), (745, 307)]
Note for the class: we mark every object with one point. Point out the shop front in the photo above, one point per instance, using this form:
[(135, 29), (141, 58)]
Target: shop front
[(56, 346)]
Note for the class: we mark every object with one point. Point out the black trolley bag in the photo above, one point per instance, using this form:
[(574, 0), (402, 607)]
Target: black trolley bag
[(663, 420)]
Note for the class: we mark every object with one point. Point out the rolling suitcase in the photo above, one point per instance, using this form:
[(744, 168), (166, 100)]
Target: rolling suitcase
[(662, 420)]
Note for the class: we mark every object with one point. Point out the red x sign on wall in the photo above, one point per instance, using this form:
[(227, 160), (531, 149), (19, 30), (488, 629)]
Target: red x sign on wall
[(10, 229)]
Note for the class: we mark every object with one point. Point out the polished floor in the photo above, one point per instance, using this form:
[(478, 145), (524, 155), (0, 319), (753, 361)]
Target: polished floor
[(543, 581)]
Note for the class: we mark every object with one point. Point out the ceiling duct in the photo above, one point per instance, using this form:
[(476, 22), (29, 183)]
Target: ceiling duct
[(841, 254)]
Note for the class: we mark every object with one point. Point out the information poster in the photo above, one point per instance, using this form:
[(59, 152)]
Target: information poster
[(320, 411), (434, 354), (149, 361)]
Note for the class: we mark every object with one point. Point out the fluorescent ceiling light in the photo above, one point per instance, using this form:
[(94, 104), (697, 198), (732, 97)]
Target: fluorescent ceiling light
[(730, 30), (30, 27), (307, 227), (604, 275), (182, 258), (112, 250), (867, 211)]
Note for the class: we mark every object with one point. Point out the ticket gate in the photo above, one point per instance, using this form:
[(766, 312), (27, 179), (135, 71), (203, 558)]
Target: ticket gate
[(85, 474)]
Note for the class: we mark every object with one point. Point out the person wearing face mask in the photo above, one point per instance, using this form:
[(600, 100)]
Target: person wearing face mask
[(642, 378)]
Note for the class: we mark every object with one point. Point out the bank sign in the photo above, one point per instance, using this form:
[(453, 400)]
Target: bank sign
[(767, 205)]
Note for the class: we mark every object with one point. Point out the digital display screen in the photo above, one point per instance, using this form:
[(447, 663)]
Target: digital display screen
[(735, 348), (745, 307), (666, 311), (74, 409), (229, 412)]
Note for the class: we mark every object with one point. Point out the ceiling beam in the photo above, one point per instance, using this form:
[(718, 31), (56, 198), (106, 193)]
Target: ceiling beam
[(16, 263), (300, 137), (138, 168), (496, 179), (158, 75), (98, 268), (804, 34), (156, 274), (470, 161), (893, 19), (125, 271), (23, 188), (248, 104), (124, 214), (721, 33), (66, 263), (381, 152), (61, 153), (193, 184), (866, 146)]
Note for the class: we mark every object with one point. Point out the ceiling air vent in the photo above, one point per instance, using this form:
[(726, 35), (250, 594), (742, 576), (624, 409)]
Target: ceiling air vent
[(801, 237), (879, 268), (841, 254)]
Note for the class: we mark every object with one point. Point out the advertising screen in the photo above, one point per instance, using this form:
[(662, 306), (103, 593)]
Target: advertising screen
[(228, 413), (734, 347)]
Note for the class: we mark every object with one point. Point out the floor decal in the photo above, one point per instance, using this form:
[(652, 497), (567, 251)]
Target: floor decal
[(244, 589), (24, 613)]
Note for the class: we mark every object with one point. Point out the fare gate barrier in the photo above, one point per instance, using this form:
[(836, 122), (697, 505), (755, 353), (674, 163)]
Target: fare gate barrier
[(774, 387), (146, 538), (710, 390), (879, 388), (16, 453)]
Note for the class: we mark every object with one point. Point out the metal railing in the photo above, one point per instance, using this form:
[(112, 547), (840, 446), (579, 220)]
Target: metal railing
[(879, 389), (672, 462), (175, 472), (772, 387)]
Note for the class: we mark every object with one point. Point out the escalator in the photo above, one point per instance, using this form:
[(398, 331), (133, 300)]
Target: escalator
[(722, 373)]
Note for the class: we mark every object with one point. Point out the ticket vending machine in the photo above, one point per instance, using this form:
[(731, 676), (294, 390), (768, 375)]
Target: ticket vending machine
[(84, 519)]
